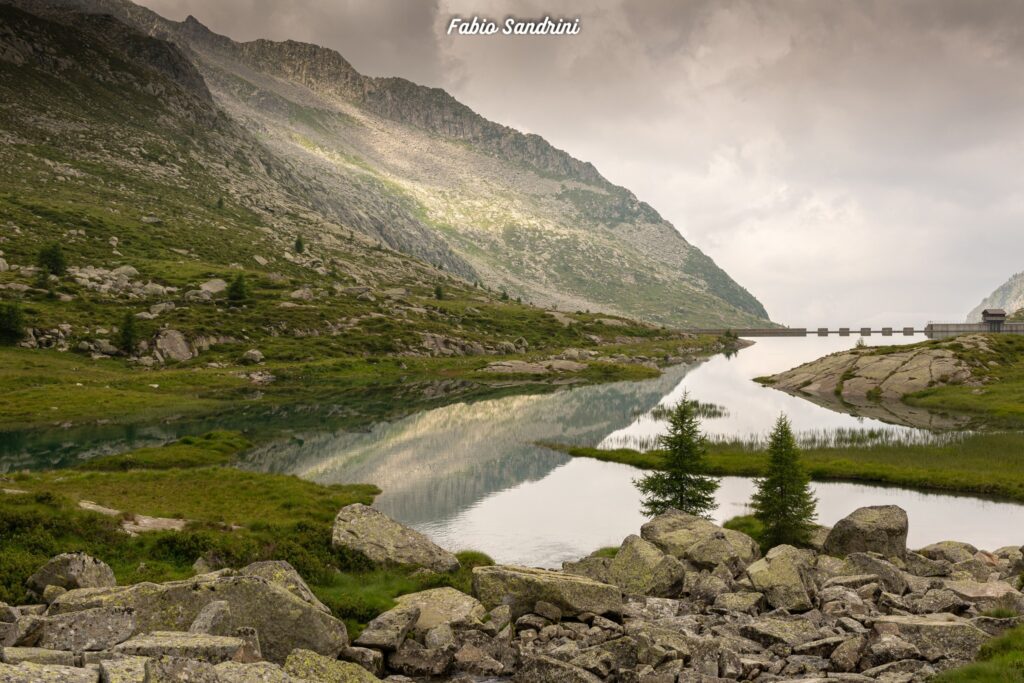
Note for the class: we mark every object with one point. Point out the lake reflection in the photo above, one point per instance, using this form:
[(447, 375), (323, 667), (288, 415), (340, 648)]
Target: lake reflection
[(470, 475)]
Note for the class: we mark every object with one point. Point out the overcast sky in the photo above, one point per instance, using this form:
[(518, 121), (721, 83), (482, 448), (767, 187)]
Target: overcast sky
[(848, 162)]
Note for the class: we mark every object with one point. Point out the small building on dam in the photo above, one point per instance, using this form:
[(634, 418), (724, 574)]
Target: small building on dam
[(992, 320)]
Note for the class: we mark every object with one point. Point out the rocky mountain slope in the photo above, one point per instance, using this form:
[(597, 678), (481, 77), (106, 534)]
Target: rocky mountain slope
[(1009, 296), (418, 171)]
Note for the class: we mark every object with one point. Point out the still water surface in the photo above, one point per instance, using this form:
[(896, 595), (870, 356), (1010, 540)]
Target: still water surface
[(470, 475)]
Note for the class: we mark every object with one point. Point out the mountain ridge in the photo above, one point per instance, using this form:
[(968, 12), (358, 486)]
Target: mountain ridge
[(556, 233)]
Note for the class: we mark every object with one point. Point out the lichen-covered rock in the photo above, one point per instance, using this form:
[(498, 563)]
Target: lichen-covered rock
[(891, 577), (36, 655), (314, 667), (181, 644), (641, 568), (413, 659), (988, 595), (46, 673), (256, 672), (122, 669), (214, 618), (283, 574), (545, 669), (784, 577), (880, 529), (178, 670), (770, 631), (700, 543), (72, 570), (387, 631), (521, 588), (949, 551), (92, 629), (936, 636), (370, 532), (171, 344), (748, 602), (284, 622), (443, 606)]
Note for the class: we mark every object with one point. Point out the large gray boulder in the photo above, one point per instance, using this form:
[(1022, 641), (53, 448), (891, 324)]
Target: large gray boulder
[(522, 587), (699, 543), (72, 570), (199, 646), (381, 539), (641, 568), (936, 636), (283, 574), (785, 578), (282, 620), (880, 529), (91, 629), (305, 665), (387, 631), (445, 605), (949, 551)]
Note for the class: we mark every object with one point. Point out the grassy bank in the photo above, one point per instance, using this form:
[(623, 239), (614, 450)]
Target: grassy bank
[(1000, 660), (234, 518), (44, 388), (980, 464)]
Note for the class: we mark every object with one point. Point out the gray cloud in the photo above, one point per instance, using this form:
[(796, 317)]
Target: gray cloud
[(849, 163)]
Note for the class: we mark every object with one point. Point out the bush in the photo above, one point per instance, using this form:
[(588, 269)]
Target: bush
[(12, 323), (128, 336), (51, 259), (438, 292), (238, 290), (300, 246)]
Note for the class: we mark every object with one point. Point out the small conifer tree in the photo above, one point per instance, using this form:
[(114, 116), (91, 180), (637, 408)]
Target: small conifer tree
[(300, 246), (438, 292), (783, 501), (12, 323), (128, 336), (238, 290), (683, 482)]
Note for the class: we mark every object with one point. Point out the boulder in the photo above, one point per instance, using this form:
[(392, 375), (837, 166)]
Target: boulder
[(37, 655), (304, 664), (46, 673), (281, 573), (91, 629), (122, 669), (545, 669), (881, 529), (413, 659), (252, 357), (593, 567), (891, 577), (784, 577), (641, 568), (178, 670), (215, 286), (263, 672), (283, 620), (521, 588), (214, 618), (173, 345), (368, 531), (388, 630), (371, 660), (769, 631), (180, 644), (936, 636), (949, 551), (443, 606), (988, 595), (700, 543), (749, 603), (72, 570)]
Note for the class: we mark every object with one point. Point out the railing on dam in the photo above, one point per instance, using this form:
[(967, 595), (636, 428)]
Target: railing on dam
[(932, 330)]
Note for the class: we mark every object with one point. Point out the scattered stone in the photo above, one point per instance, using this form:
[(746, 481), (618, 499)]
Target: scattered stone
[(784, 577), (173, 345), (215, 286), (72, 570), (368, 531), (444, 606), (388, 630), (252, 357)]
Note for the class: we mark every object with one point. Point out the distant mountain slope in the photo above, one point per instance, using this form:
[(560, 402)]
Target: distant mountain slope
[(423, 173), (1008, 296)]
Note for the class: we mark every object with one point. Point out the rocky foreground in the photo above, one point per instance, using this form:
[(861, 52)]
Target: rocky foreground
[(683, 601)]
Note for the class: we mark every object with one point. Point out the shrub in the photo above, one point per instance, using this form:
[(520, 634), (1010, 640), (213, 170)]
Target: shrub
[(51, 259), (128, 336), (12, 323), (438, 292), (238, 290), (300, 246)]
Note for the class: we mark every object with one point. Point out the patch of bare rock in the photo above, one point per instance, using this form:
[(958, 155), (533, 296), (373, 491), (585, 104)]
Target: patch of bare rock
[(684, 600)]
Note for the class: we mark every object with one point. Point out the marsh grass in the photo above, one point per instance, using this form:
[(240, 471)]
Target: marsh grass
[(989, 464)]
